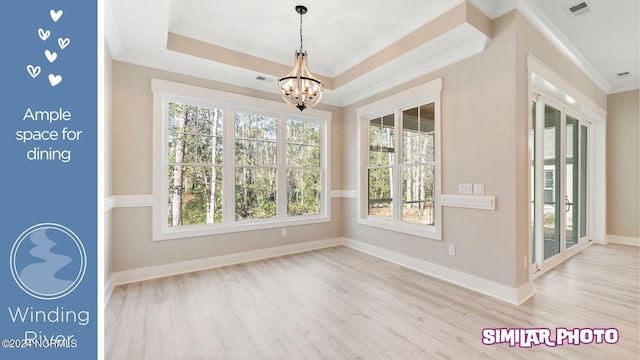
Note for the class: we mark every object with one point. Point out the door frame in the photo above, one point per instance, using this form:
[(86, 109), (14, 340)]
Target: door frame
[(540, 265)]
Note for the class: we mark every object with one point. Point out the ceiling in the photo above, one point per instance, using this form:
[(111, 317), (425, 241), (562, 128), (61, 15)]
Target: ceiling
[(341, 36)]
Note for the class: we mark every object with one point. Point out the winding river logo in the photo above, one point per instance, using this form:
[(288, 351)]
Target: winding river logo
[(48, 261)]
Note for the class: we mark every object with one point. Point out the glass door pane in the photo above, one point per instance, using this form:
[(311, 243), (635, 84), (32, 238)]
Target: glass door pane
[(571, 175), (553, 204)]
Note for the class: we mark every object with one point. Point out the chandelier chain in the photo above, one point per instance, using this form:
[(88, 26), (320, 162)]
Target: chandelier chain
[(300, 32)]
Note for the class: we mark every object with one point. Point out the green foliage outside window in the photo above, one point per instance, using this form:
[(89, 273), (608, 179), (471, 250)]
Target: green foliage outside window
[(195, 157)]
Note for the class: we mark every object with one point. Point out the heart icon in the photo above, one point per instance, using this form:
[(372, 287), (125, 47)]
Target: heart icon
[(63, 43), (51, 56), (44, 35), (55, 15), (55, 79), (34, 71)]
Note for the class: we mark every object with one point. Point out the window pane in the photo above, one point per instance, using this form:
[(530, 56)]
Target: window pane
[(311, 156), (256, 190), (295, 131), (256, 137), (303, 187), (204, 149), (255, 126), (256, 152), (243, 126), (303, 156), (380, 199), (175, 147), (303, 139), (190, 133), (295, 156), (303, 175), (244, 152), (190, 146), (195, 195), (210, 149), (417, 194), (418, 128), (210, 121), (266, 153), (311, 133), (381, 141), (191, 119)]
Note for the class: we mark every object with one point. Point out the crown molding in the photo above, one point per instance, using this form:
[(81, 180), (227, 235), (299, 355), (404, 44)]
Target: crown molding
[(541, 22), (111, 34)]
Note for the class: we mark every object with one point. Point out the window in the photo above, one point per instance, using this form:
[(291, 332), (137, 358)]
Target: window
[(380, 169), (232, 163), (549, 185), (194, 152), (399, 153), (303, 168), (418, 164), (256, 166)]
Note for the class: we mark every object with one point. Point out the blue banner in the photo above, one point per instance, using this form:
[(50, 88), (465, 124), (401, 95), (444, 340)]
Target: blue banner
[(49, 146)]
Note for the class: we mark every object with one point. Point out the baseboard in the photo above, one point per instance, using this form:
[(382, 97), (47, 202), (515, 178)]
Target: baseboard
[(599, 239), (624, 240), (499, 291), (525, 292), (153, 272)]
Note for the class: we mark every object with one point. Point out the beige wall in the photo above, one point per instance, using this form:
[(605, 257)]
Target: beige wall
[(132, 246), (478, 141), (623, 164)]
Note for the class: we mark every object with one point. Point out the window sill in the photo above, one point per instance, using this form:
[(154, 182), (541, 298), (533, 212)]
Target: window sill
[(425, 231), (247, 225)]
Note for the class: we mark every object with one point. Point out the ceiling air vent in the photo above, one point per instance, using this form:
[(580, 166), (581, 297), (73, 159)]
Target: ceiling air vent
[(578, 9), (623, 74), (263, 78)]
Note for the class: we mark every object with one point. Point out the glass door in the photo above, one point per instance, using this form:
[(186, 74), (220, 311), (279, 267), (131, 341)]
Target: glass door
[(572, 176), (559, 183), (552, 193)]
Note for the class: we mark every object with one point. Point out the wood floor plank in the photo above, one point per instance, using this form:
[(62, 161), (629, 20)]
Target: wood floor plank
[(338, 303)]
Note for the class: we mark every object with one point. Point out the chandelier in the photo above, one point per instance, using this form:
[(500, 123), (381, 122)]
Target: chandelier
[(299, 88)]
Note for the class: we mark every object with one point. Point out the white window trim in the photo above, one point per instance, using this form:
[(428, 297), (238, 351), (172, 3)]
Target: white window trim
[(419, 95), (164, 90)]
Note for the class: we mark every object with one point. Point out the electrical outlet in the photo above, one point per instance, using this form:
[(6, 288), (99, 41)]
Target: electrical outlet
[(526, 263), (452, 250), (465, 189), (284, 231), (478, 189)]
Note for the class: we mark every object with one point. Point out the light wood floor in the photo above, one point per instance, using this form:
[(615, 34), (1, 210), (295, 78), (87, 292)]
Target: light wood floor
[(338, 303)]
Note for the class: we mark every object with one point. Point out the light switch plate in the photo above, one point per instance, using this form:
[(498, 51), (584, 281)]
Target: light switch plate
[(465, 189), (478, 189)]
